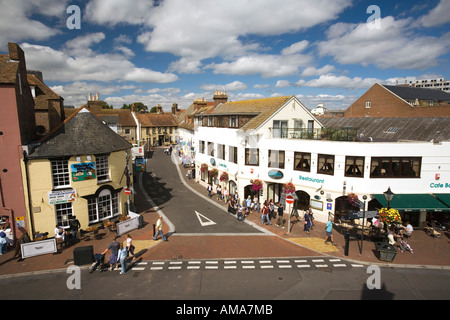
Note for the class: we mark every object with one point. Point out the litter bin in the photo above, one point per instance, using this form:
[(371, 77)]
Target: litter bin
[(386, 252)]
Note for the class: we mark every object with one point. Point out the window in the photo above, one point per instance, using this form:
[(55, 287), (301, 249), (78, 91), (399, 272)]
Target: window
[(302, 161), (232, 154), (201, 147), (276, 159), (368, 104), (234, 121), (354, 166), (395, 167), (105, 206), (60, 174), (211, 149), (325, 164), (221, 151), (280, 129), (210, 121), (63, 213), (102, 165), (252, 156)]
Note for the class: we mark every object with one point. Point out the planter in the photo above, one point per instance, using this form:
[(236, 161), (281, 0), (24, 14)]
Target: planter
[(386, 252)]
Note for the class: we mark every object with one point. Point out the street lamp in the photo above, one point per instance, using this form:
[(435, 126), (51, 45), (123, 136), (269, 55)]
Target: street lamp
[(388, 195)]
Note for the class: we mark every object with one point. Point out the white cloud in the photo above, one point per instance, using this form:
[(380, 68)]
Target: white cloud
[(311, 71), (203, 29), (282, 84), (88, 65), (333, 81), (113, 12), (437, 16), (233, 86), (16, 25), (394, 45)]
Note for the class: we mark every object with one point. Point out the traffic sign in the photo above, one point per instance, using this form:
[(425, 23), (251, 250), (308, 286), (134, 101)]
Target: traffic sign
[(127, 191), (289, 199)]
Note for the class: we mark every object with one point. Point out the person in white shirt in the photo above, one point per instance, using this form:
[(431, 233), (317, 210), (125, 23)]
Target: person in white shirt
[(159, 225)]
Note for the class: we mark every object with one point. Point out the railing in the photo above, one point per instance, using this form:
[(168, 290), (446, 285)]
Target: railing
[(338, 134)]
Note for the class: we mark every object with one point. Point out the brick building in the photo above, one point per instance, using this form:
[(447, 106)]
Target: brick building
[(395, 101)]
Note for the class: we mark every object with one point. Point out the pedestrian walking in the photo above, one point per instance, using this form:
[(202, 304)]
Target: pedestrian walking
[(231, 205), (280, 216), (219, 192), (74, 225), (307, 221), (329, 232), (114, 257), (159, 226), (265, 214), (225, 194), (122, 257), (209, 189), (240, 213), (271, 209), (130, 247)]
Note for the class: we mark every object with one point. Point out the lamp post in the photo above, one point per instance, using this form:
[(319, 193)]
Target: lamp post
[(388, 195)]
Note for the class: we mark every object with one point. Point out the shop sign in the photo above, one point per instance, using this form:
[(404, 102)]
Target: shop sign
[(36, 248), (63, 196), (139, 164), (311, 179), (83, 171), (275, 174), (440, 185)]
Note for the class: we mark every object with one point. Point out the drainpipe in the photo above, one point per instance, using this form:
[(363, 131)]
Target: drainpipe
[(30, 207)]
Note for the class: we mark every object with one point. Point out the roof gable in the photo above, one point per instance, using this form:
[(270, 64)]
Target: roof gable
[(80, 134)]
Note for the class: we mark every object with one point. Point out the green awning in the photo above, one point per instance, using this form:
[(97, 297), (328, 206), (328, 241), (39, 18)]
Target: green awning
[(413, 202), (443, 197)]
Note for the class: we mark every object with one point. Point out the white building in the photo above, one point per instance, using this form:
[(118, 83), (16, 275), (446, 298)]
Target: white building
[(277, 140)]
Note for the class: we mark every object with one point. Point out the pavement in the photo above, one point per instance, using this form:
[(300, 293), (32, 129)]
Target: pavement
[(274, 242)]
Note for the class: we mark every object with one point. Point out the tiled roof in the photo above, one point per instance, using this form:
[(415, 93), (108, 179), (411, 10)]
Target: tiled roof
[(125, 117), (394, 129), (261, 108), (419, 93), (8, 70), (41, 101), (157, 120), (80, 134)]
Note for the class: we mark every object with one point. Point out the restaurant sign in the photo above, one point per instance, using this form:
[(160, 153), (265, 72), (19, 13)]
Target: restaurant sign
[(63, 196), (83, 171)]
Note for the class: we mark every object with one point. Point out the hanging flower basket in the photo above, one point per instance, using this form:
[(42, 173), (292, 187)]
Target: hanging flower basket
[(214, 173), (352, 198), (256, 185), (224, 177), (389, 216), (289, 188), (204, 167)]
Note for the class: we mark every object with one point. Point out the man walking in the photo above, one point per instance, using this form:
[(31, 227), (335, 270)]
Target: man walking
[(280, 216), (159, 226), (74, 226), (329, 232)]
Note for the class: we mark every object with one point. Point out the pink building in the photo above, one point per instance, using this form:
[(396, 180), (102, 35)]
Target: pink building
[(17, 129)]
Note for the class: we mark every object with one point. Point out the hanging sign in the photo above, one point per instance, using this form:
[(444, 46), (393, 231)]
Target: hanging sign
[(63, 196), (83, 171)]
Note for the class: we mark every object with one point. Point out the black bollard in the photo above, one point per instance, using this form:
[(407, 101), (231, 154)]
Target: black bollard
[(347, 243)]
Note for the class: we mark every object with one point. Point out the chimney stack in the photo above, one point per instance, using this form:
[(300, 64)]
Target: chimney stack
[(219, 97), (199, 103)]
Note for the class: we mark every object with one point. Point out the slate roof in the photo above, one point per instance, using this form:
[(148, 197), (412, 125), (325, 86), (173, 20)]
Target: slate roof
[(125, 117), (395, 129), (157, 120), (419, 93), (8, 70), (83, 133), (261, 108)]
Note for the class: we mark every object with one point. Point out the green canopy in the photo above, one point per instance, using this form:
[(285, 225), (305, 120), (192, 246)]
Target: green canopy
[(414, 202)]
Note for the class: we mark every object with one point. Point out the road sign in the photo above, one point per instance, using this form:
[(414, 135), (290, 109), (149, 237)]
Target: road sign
[(289, 199), (127, 191)]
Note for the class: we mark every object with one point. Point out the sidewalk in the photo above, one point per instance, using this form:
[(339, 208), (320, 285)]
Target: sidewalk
[(428, 252)]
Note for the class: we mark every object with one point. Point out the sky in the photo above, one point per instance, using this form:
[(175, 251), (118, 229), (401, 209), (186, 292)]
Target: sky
[(174, 51)]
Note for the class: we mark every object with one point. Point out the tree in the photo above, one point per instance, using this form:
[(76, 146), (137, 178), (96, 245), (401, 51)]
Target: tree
[(138, 107)]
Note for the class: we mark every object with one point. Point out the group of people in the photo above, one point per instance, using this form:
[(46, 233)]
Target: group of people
[(120, 253)]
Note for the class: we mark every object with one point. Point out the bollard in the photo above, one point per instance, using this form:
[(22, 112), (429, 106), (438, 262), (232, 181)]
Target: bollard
[(347, 243), (154, 226)]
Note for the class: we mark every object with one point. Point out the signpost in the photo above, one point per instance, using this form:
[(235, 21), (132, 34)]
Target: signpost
[(289, 200)]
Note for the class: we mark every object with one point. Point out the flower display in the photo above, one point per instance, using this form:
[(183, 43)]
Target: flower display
[(214, 173), (256, 185), (289, 188), (204, 167), (389, 216), (224, 177)]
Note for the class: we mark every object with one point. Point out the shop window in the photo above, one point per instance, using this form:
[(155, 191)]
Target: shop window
[(63, 214), (105, 206), (102, 165), (276, 159), (251, 157), (354, 166), (395, 167), (325, 164), (302, 161)]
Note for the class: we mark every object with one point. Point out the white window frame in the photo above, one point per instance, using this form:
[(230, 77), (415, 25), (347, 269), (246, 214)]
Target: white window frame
[(63, 212), (105, 200), (102, 166), (60, 174)]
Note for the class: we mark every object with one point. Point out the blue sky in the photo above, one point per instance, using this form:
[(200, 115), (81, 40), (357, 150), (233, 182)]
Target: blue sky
[(174, 51)]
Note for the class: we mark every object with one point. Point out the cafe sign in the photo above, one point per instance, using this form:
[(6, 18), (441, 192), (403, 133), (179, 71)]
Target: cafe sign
[(83, 171), (63, 196)]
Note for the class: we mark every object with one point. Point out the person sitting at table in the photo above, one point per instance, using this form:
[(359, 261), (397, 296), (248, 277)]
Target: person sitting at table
[(390, 236), (406, 231)]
